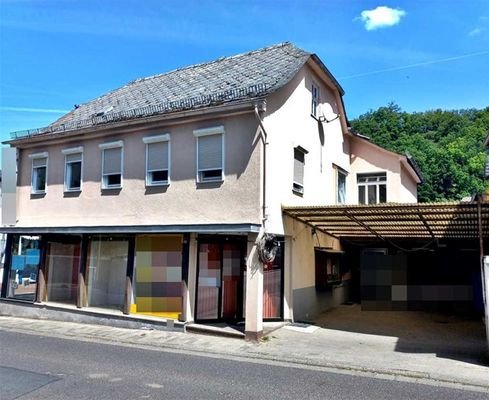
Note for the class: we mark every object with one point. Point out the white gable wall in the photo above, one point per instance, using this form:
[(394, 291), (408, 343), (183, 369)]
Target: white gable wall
[(289, 123)]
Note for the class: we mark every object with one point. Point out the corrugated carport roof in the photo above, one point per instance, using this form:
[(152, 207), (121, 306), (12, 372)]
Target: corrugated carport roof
[(454, 220)]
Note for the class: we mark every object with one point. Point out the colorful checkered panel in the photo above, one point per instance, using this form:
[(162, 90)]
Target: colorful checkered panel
[(158, 275)]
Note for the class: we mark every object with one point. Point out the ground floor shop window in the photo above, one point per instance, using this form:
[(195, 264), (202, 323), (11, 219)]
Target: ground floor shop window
[(23, 275), (63, 269), (107, 269), (220, 287), (209, 281), (158, 275)]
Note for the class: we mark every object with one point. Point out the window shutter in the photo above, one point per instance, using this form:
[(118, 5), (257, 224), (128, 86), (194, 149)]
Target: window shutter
[(112, 161), (298, 166), (210, 152), (73, 157), (39, 162), (157, 156)]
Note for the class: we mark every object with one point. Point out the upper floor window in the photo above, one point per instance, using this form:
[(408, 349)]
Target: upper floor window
[(315, 100), (299, 162), (372, 188), (341, 175), (39, 172), (210, 154), (112, 155), (157, 160), (73, 168)]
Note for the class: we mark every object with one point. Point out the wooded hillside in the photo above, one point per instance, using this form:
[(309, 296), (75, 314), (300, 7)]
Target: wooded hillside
[(447, 145)]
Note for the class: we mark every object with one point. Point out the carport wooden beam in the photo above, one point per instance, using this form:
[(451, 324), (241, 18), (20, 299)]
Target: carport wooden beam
[(459, 220)]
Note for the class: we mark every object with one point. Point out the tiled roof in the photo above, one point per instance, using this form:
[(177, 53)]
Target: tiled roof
[(229, 79)]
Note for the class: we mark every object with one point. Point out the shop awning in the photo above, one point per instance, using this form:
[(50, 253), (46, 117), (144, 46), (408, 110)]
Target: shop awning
[(451, 220)]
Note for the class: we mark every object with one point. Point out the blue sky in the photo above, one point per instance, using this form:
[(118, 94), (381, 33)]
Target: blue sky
[(420, 54)]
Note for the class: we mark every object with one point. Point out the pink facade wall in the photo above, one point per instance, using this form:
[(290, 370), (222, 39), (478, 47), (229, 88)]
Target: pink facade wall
[(368, 158)]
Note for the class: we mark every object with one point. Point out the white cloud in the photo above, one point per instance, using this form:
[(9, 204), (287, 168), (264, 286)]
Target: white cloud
[(476, 31), (381, 17)]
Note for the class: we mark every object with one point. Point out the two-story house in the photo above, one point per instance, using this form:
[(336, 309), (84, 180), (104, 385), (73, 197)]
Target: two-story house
[(154, 198)]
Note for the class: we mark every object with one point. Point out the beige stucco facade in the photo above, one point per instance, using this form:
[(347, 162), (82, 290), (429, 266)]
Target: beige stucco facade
[(183, 201)]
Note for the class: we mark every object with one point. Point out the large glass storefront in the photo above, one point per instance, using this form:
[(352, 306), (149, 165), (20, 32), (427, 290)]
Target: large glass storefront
[(106, 271), (24, 270), (92, 271), (63, 269)]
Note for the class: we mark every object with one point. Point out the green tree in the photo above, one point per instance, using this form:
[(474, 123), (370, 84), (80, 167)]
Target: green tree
[(447, 145)]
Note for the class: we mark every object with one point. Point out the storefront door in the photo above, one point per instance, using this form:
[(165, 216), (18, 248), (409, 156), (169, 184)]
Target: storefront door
[(220, 279)]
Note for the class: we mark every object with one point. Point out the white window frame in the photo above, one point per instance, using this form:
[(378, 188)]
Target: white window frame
[(157, 139), (37, 156), (106, 146), (381, 180), (340, 171), (298, 187), (71, 151), (216, 130), (315, 99)]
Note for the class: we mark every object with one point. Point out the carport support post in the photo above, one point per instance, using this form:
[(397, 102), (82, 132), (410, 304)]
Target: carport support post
[(254, 292), (485, 288), (484, 261)]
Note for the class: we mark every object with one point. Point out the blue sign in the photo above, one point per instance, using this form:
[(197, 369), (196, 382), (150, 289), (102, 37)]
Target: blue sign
[(18, 262), (32, 256)]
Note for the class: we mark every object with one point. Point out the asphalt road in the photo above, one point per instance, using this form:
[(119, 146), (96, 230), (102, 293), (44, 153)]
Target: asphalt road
[(40, 367)]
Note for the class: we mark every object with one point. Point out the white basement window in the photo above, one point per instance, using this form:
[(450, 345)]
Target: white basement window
[(73, 169), (157, 160), (210, 154), (112, 156), (39, 172)]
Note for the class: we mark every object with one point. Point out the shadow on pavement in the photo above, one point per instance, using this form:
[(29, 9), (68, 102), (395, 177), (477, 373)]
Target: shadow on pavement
[(447, 336)]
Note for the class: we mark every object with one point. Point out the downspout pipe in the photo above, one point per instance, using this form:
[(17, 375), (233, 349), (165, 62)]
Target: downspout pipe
[(263, 135)]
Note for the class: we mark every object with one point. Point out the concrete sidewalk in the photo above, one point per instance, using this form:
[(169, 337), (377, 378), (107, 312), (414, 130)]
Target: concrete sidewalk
[(301, 346)]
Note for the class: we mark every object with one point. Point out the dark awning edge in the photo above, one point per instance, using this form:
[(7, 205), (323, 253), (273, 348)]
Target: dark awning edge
[(192, 228)]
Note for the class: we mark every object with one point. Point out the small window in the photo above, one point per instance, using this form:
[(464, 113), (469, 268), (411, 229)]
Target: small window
[(341, 185), (111, 165), (157, 160), (327, 269), (39, 172), (372, 188), (210, 154), (299, 162), (73, 169), (315, 100)]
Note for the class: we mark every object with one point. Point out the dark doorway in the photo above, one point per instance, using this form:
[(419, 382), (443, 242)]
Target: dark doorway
[(220, 268)]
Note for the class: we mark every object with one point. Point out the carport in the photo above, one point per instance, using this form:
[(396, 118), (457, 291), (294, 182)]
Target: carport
[(435, 251)]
